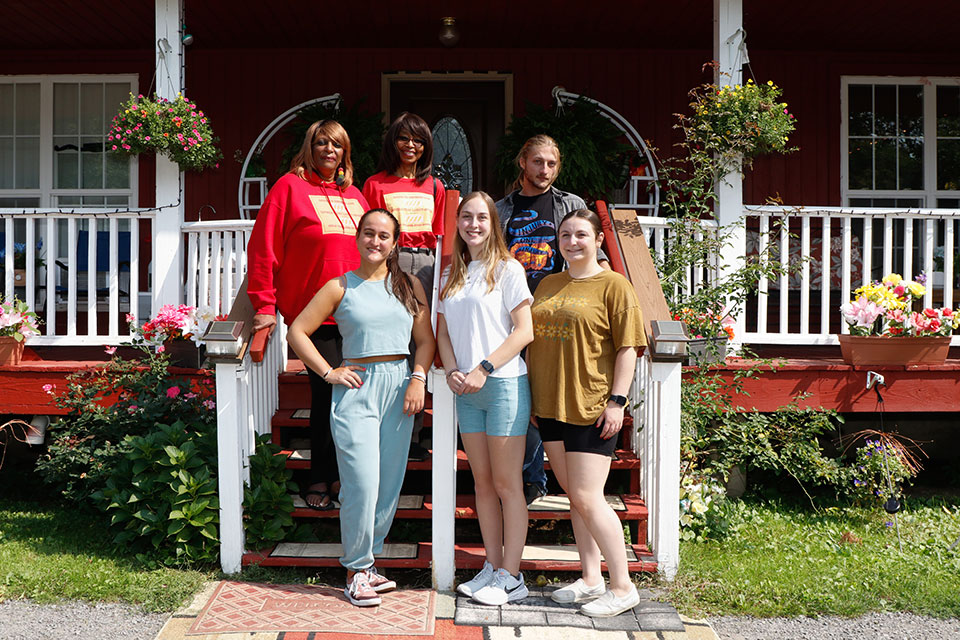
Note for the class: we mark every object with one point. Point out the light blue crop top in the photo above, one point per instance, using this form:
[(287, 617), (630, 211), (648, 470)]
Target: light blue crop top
[(371, 320)]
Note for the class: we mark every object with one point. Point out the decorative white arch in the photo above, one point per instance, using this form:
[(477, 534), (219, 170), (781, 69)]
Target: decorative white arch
[(243, 192), (652, 204)]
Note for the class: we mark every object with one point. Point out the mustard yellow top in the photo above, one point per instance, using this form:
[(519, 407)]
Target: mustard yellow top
[(578, 326)]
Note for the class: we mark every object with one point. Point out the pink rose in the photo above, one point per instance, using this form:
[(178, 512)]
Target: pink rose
[(50, 388), (161, 349), (110, 350), (173, 392)]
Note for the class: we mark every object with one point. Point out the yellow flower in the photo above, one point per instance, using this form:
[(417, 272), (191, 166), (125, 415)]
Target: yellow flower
[(770, 82), (916, 289), (892, 279)]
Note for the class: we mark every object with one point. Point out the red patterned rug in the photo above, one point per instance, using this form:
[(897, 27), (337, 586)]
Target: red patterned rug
[(242, 607)]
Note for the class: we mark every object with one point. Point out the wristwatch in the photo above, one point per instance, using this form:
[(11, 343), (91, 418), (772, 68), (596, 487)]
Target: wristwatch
[(620, 400), (486, 366)]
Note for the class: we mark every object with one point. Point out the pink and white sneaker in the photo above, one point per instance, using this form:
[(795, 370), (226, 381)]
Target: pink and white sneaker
[(360, 593), (378, 582)]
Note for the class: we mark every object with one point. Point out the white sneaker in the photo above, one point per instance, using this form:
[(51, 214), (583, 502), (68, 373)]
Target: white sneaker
[(478, 582), (578, 592), (609, 604), (503, 589)]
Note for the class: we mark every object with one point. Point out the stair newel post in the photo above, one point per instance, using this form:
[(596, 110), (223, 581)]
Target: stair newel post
[(664, 494), (444, 468), (230, 464)]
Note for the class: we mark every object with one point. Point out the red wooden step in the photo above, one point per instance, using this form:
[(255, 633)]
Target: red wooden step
[(414, 507), (626, 459)]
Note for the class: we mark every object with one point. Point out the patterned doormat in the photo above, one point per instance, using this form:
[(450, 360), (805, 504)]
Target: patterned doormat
[(244, 607)]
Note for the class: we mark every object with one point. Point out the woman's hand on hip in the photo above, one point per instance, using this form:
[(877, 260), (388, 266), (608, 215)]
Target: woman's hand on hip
[(455, 381), (346, 375), (413, 398), (611, 420), (474, 381), (262, 320)]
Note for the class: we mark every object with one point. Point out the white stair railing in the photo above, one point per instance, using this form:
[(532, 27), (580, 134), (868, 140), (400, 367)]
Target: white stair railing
[(216, 262)]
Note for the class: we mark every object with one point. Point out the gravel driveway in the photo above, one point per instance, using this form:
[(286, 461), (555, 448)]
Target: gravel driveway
[(873, 626), (24, 620)]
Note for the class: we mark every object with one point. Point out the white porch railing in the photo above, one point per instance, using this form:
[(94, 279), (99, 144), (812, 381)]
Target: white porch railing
[(247, 397), (216, 262), (802, 308), (80, 272)]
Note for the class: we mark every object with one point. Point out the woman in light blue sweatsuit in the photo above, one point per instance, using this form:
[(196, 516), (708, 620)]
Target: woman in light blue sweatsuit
[(375, 396)]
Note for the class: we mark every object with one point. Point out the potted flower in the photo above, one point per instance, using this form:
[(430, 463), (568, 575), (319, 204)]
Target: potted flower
[(887, 326), (175, 128), (17, 323), (175, 330), (710, 331)]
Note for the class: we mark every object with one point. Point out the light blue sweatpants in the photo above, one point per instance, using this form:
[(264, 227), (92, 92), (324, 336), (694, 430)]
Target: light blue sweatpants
[(372, 437)]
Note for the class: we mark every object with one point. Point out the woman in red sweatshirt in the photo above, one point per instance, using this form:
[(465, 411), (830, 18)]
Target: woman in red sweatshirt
[(304, 236)]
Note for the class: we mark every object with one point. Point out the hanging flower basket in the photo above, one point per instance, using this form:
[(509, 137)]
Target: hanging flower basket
[(877, 350), (176, 129)]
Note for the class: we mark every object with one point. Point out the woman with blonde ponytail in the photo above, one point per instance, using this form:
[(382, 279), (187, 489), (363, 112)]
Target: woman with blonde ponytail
[(375, 395), (483, 322)]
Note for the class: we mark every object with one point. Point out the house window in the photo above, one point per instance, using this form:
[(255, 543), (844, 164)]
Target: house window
[(901, 142), (452, 156), (52, 151)]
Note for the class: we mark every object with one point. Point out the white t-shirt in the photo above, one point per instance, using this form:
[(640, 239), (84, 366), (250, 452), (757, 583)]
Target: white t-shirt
[(479, 321)]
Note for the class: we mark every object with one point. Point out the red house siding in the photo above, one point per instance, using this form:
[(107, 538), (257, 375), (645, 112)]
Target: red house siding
[(243, 90)]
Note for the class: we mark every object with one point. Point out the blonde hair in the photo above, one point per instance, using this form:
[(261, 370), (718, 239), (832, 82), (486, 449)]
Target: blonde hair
[(539, 140), (302, 163), (493, 252)]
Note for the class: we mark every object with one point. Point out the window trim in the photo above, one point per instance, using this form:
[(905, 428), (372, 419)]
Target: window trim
[(929, 194), (46, 192)]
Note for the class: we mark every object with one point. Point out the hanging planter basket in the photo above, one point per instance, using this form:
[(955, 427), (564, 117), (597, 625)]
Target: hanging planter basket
[(176, 128), (893, 350)]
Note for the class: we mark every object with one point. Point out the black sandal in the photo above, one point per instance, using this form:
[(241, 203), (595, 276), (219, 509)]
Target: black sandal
[(318, 507)]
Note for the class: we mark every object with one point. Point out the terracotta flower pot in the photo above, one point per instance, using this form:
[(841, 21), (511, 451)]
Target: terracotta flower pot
[(869, 350), (10, 351)]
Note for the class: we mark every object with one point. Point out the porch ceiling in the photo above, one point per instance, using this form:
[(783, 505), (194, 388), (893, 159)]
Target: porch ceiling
[(636, 24)]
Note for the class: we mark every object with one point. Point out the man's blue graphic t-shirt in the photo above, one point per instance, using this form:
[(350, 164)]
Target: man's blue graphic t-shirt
[(532, 237)]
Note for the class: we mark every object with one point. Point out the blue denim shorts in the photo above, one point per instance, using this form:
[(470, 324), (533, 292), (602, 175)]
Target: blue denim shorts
[(500, 408)]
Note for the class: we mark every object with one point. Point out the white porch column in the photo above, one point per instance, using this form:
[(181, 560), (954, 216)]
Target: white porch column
[(444, 476), (664, 496), (727, 38), (167, 280)]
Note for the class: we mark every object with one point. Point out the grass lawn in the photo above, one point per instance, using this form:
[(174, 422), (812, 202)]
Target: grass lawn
[(50, 553), (789, 561)]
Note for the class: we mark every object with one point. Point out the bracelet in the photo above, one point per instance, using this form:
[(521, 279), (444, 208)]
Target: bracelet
[(452, 371), (324, 376), (416, 375)]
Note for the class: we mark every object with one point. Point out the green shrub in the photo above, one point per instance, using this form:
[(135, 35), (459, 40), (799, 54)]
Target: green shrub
[(267, 504), (162, 496), (104, 405)]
